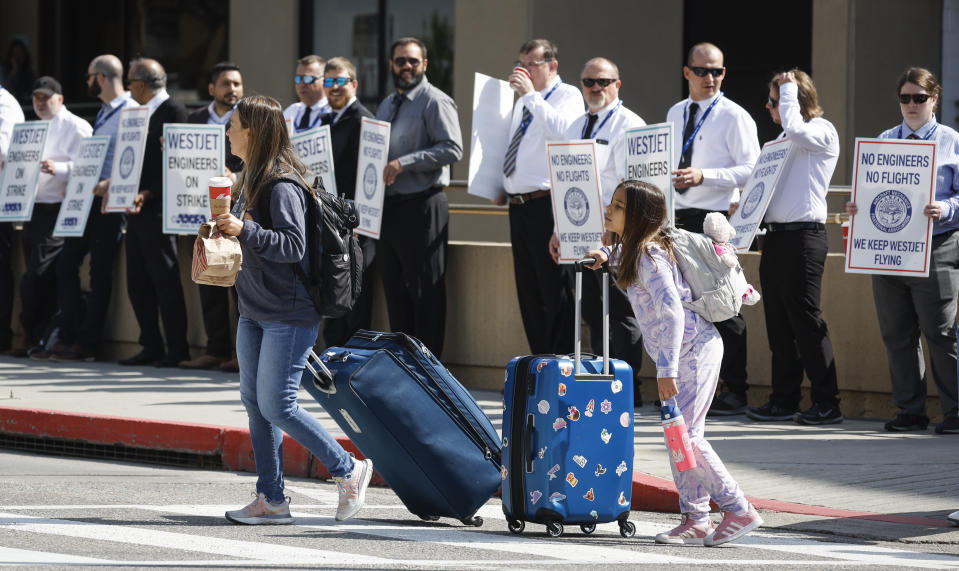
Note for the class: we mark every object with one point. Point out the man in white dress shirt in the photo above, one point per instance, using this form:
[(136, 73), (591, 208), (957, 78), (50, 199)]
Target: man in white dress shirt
[(544, 111), (716, 151), (607, 121), (308, 112), (10, 115), (38, 285)]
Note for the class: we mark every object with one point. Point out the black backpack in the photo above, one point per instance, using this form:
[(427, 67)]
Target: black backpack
[(336, 260)]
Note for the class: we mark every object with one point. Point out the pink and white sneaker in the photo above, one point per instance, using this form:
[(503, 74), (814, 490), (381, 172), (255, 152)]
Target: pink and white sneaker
[(688, 532), (733, 527)]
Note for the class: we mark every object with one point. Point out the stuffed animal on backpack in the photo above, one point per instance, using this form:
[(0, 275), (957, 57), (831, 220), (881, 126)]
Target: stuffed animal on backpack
[(721, 232)]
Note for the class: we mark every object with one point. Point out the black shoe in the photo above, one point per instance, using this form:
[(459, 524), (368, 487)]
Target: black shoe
[(948, 426), (770, 412), (170, 361), (906, 422), (820, 414), (727, 403), (142, 358)]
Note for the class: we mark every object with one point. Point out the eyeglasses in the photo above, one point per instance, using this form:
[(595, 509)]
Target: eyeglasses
[(772, 102), (338, 81), (402, 61), (917, 98), (702, 71), (94, 74), (536, 63), (602, 81), (305, 79)]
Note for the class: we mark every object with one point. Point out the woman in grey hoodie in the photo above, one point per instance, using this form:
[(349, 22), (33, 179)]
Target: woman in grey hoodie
[(278, 322)]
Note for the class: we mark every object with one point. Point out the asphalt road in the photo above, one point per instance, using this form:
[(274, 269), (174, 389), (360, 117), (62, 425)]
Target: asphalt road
[(61, 512)]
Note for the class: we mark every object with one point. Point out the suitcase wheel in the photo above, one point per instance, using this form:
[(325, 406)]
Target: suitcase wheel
[(475, 521), (588, 528), (554, 529), (516, 526), (428, 517), (627, 529)]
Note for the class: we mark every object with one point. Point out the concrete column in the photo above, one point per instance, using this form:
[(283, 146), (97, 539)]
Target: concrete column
[(263, 42)]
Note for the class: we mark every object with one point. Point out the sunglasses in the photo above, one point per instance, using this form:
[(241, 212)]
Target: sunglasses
[(402, 61), (338, 81), (702, 71), (917, 98), (305, 79), (602, 81), (772, 102)]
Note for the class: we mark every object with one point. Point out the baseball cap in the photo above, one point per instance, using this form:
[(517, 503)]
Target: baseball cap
[(47, 85)]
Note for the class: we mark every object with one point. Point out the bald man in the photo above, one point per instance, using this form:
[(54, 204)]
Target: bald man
[(153, 272), (716, 151), (81, 322)]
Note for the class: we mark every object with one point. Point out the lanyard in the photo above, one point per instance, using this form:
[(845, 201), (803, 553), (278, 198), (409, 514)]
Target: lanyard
[(524, 124), (699, 123), (313, 124), (600, 128), (101, 118), (928, 135)]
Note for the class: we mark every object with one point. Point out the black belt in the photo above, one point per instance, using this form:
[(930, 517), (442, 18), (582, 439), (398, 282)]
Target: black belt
[(792, 226), (526, 197)]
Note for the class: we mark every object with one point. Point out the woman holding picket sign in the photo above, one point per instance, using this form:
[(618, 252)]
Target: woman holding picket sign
[(909, 305), (278, 321)]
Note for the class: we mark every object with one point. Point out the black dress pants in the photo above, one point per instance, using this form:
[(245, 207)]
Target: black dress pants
[(6, 285), (412, 252), (542, 286), (791, 275), (153, 284), (625, 338), (733, 331), (215, 304), (101, 237), (38, 285)]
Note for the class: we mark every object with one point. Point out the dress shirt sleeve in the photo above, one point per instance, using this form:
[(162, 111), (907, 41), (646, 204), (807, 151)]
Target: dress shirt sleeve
[(81, 130), (556, 119), (743, 146), (618, 146), (443, 129), (950, 211), (814, 136), (656, 277)]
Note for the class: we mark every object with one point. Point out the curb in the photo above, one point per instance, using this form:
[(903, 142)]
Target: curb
[(233, 448)]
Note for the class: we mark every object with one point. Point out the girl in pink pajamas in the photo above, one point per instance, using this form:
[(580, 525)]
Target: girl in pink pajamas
[(687, 350)]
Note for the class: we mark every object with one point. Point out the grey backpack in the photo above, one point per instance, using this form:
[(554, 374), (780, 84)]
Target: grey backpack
[(717, 289)]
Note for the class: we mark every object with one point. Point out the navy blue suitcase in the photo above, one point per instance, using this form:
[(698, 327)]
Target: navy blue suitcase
[(568, 438), (426, 435)]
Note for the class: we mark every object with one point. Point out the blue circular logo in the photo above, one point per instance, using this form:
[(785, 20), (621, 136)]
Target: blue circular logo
[(890, 211), (369, 181), (126, 162), (753, 199), (576, 206)]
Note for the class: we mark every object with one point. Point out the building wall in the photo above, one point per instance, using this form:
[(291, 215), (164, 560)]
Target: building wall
[(263, 41)]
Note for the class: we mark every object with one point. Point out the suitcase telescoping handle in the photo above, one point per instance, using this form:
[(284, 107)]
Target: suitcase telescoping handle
[(581, 266), (322, 376)]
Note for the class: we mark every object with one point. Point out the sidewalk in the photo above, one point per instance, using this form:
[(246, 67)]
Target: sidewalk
[(853, 471)]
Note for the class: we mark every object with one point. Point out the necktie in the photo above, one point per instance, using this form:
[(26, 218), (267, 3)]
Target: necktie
[(912, 136), (304, 120), (509, 164), (327, 118), (590, 122), (397, 102), (687, 132)]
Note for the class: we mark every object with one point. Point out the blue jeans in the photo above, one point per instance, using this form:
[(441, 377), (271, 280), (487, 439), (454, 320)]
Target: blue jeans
[(272, 357)]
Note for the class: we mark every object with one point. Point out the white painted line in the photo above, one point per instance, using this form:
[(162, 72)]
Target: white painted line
[(13, 556)]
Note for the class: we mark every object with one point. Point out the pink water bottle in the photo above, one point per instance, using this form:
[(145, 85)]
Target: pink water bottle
[(677, 437)]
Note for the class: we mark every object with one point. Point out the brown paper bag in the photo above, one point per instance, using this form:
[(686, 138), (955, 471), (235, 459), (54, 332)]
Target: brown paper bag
[(216, 257)]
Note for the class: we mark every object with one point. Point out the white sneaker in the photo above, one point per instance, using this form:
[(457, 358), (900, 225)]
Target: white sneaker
[(262, 511), (352, 489), (688, 532)]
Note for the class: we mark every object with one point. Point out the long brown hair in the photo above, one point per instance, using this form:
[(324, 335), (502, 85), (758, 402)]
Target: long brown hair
[(269, 153), (645, 224), (808, 96)]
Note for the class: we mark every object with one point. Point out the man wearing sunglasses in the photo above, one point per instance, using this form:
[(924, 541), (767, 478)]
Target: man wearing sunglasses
[(425, 140), (339, 81), (606, 121), (544, 111), (715, 151), (308, 112)]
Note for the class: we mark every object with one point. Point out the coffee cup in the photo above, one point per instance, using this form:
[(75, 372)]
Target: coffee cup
[(523, 70), (220, 187)]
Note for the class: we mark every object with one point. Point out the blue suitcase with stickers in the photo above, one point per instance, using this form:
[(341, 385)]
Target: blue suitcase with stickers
[(568, 437), (426, 434)]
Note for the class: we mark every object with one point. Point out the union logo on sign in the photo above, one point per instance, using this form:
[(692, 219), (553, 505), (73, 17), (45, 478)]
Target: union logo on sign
[(127, 159), (890, 211), (369, 181), (576, 206), (753, 199)]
